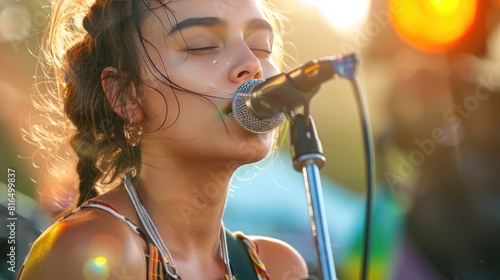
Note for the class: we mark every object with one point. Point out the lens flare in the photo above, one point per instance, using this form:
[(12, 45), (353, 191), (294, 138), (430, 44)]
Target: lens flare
[(433, 25), (100, 261), (96, 269)]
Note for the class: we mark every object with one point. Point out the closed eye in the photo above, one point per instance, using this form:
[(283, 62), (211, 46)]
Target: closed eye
[(262, 50), (202, 50), (262, 53)]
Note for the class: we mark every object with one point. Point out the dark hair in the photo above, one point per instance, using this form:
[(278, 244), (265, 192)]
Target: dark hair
[(82, 42), (99, 141)]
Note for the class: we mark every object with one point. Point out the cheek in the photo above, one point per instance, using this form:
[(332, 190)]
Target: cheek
[(179, 68), (194, 75), (155, 107)]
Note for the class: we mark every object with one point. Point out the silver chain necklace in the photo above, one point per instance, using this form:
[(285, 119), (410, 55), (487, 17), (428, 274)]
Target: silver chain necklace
[(166, 257)]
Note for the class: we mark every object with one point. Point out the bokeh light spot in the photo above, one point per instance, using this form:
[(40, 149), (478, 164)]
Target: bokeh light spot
[(433, 25), (15, 23)]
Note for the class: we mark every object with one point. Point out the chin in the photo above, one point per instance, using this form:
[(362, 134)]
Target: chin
[(255, 148)]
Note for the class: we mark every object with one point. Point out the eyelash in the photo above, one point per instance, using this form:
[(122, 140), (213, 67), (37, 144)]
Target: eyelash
[(210, 48), (203, 49), (262, 50)]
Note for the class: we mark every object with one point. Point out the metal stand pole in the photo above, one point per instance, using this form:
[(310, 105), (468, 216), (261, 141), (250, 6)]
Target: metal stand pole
[(308, 158)]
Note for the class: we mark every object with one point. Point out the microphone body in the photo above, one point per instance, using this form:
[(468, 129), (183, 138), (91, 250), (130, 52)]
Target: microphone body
[(260, 105), (246, 117)]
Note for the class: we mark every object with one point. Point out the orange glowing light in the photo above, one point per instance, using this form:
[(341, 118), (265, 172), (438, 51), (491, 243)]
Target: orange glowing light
[(432, 25), (311, 68)]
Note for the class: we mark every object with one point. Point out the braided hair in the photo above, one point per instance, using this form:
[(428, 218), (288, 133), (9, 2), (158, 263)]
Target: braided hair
[(84, 39)]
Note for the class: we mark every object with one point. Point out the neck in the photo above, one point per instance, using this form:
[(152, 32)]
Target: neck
[(186, 202)]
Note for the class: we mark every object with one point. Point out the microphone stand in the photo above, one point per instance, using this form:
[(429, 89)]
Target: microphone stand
[(308, 158)]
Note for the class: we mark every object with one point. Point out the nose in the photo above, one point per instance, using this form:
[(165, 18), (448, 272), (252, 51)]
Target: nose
[(246, 67)]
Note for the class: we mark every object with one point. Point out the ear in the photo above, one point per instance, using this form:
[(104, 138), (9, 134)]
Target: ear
[(125, 101)]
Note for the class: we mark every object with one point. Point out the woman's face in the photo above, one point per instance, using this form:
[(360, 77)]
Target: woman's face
[(209, 47)]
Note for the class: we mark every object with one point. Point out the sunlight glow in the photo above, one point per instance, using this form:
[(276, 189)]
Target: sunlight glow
[(344, 16)]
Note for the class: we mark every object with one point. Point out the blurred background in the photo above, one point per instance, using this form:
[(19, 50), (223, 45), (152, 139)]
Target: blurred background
[(430, 71)]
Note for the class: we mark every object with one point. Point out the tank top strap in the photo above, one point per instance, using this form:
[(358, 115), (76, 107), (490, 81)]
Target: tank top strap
[(108, 208), (244, 257)]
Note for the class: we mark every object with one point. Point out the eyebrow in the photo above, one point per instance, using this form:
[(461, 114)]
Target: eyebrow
[(257, 23), (204, 22), (253, 24)]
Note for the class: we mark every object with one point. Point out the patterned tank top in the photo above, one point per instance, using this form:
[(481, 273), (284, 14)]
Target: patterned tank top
[(155, 268)]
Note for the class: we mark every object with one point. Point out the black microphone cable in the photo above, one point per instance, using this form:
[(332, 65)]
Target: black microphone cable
[(370, 171)]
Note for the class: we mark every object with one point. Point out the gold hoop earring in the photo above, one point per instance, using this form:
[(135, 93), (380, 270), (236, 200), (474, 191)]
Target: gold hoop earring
[(133, 133)]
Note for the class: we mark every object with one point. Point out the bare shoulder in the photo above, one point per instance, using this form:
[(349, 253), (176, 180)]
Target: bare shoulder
[(90, 244), (282, 261)]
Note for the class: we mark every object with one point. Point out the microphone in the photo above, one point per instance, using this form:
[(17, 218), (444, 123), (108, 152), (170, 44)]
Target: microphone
[(260, 105)]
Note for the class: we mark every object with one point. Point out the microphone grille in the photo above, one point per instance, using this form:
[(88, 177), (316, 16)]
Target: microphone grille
[(246, 117)]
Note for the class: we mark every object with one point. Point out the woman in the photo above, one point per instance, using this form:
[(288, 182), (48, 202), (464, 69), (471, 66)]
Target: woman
[(148, 89)]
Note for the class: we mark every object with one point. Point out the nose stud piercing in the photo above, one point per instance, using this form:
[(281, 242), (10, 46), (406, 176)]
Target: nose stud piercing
[(214, 62)]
